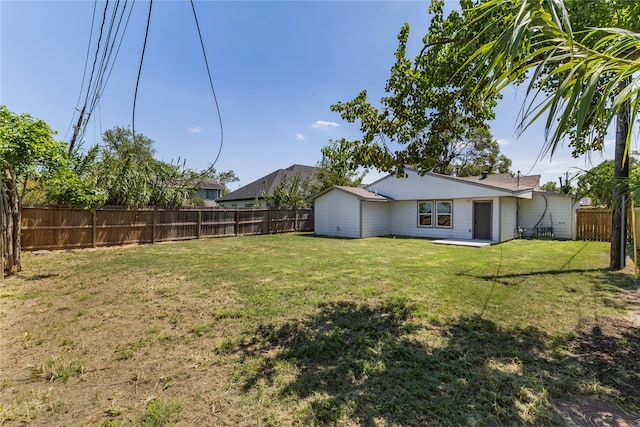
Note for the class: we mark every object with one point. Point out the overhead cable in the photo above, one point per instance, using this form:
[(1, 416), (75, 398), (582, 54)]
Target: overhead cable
[(135, 94), (86, 63), (213, 91), (103, 62)]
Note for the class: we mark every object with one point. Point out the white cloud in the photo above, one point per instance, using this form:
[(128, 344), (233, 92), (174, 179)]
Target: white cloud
[(195, 130), (321, 124), (300, 137), (502, 142)]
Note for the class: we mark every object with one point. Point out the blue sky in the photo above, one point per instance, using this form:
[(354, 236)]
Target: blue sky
[(276, 66)]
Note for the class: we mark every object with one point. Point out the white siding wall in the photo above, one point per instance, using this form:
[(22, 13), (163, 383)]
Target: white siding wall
[(376, 219), (337, 213), (404, 221), (560, 213), (242, 203), (508, 226)]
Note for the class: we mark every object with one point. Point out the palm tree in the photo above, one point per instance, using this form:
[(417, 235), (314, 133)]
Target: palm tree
[(582, 81)]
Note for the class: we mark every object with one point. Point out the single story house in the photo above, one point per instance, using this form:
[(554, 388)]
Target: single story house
[(490, 207), (251, 195)]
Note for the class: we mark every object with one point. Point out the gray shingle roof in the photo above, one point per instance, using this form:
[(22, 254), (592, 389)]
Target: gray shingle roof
[(210, 184), (359, 192), (267, 183), (506, 181)]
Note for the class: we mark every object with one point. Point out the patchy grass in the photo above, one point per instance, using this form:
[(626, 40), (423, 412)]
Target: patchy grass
[(297, 329), (58, 368), (158, 413)]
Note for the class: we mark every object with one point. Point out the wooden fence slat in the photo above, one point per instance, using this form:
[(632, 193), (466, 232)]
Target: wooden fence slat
[(594, 224), (67, 228)]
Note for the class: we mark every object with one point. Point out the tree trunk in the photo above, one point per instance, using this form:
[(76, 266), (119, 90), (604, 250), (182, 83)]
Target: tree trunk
[(620, 185), (3, 230), (13, 217)]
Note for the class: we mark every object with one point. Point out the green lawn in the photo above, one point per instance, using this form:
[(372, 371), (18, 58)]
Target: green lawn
[(298, 329)]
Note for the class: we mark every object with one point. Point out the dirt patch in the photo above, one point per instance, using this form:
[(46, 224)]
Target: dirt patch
[(93, 352), (633, 300), (609, 351), (595, 413)]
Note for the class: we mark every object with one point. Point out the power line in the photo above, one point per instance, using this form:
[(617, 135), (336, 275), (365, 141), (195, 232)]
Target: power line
[(104, 57), (126, 25), (86, 63), (110, 41), (104, 61), (93, 67), (213, 91), (95, 58), (110, 31), (135, 94)]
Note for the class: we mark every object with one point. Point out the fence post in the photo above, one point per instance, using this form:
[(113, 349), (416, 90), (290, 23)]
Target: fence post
[(237, 224), (199, 231), (295, 221), (94, 236), (153, 226)]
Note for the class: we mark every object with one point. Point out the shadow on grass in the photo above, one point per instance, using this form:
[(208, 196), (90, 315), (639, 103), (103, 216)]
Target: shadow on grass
[(534, 273), (319, 236), (40, 277), (603, 276), (371, 365)]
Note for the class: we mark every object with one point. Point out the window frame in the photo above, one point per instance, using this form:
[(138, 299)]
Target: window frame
[(420, 214), (212, 194), (449, 214)]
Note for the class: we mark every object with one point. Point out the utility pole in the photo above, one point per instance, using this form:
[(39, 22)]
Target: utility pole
[(620, 186), (76, 130)]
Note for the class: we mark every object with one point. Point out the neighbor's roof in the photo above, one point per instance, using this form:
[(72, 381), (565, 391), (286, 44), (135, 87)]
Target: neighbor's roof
[(359, 192), (210, 184), (268, 183), (202, 184)]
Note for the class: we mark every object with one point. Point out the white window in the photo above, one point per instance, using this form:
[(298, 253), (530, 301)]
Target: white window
[(425, 214), (444, 214)]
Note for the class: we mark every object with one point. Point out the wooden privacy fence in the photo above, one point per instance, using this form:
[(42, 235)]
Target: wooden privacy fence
[(68, 228), (595, 224)]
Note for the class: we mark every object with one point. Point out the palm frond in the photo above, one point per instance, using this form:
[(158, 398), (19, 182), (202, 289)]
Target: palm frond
[(538, 40)]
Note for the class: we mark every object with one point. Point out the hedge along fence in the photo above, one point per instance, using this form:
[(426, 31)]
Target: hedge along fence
[(67, 228)]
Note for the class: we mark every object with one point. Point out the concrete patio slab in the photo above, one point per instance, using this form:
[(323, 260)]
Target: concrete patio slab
[(460, 242)]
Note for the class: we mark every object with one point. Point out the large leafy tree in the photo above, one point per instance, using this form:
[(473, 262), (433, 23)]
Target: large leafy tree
[(27, 152), (583, 78), (124, 172), (337, 167), (292, 192), (597, 183), (424, 112), (472, 156), (128, 174), (71, 184), (550, 187)]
